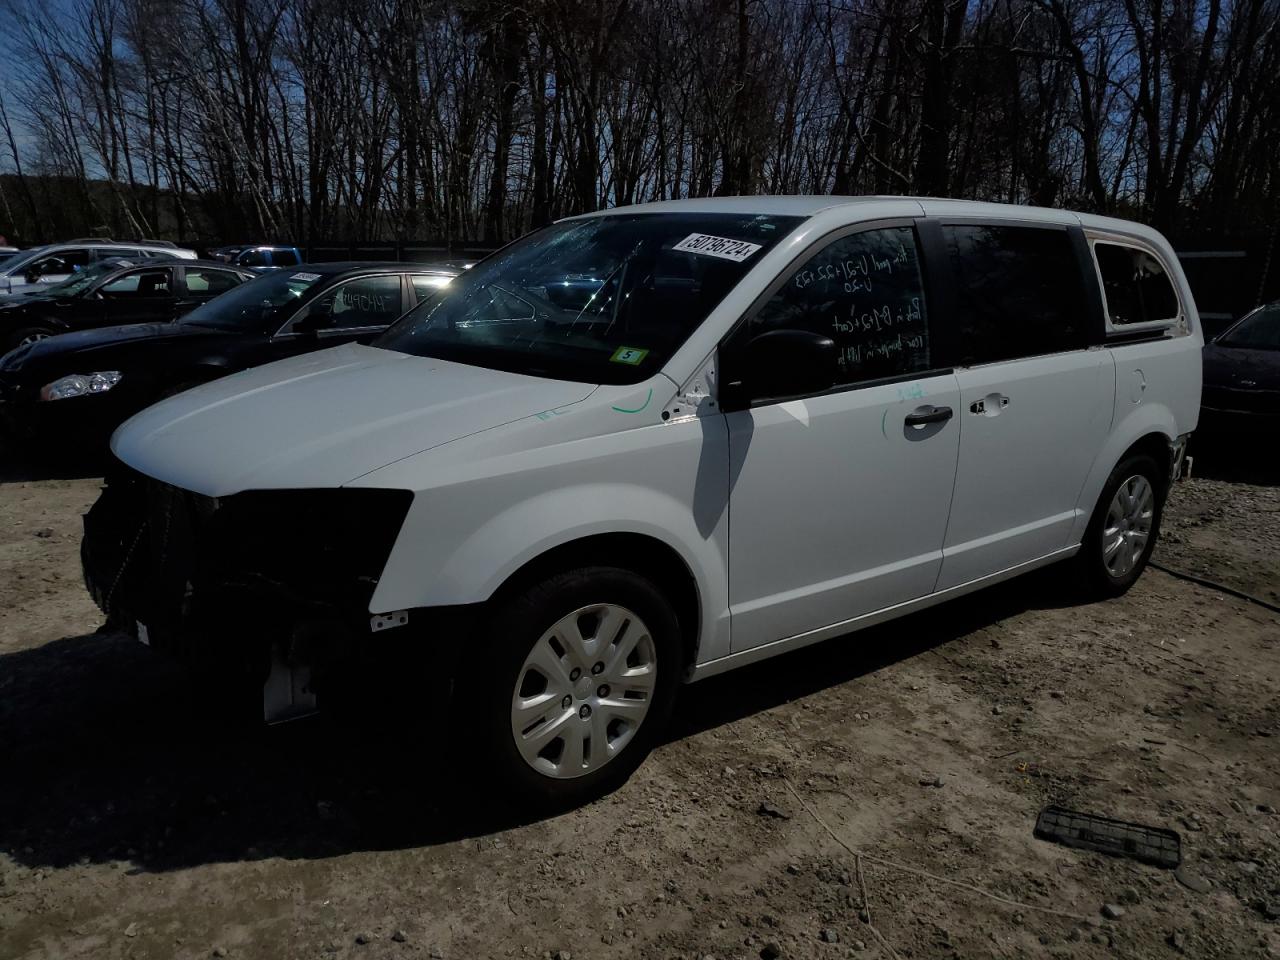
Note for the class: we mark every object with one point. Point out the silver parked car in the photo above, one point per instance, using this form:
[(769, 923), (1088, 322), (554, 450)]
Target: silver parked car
[(31, 270)]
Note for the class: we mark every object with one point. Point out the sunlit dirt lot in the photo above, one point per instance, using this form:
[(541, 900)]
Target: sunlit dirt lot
[(874, 796)]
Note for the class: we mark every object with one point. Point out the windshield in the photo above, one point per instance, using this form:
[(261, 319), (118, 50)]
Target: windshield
[(1260, 330), (78, 283), (259, 305), (19, 260), (601, 300)]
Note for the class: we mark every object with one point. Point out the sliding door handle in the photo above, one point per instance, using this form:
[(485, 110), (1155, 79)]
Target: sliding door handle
[(927, 414)]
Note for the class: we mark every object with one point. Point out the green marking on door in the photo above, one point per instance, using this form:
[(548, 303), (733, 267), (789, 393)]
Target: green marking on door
[(647, 398)]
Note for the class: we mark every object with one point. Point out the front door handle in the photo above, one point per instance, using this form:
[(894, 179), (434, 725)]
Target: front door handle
[(925, 415)]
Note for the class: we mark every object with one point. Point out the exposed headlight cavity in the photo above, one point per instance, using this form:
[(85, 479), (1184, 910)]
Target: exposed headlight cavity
[(80, 385)]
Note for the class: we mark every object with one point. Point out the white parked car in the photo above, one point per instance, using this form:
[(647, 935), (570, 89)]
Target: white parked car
[(31, 270), (646, 446)]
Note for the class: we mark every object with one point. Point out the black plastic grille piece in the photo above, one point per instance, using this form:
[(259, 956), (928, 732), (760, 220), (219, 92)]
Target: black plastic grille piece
[(1154, 845)]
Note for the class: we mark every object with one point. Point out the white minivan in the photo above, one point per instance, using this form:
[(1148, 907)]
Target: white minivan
[(642, 447)]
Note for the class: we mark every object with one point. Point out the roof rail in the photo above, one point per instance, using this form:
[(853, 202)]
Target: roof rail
[(89, 240), (158, 243)]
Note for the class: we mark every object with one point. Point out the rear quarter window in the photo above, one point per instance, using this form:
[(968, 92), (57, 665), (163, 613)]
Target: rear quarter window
[(1135, 285)]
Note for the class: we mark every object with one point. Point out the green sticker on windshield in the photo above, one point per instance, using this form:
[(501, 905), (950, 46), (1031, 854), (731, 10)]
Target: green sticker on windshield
[(631, 355)]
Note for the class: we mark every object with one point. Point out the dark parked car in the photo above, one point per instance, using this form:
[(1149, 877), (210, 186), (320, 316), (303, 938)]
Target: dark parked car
[(1242, 372), (260, 256), (74, 390), (114, 292)]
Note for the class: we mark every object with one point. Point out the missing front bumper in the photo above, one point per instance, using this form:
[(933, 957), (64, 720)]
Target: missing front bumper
[(268, 589)]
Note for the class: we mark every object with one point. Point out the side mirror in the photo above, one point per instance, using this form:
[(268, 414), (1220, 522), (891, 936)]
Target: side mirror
[(783, 363), (317, 318)]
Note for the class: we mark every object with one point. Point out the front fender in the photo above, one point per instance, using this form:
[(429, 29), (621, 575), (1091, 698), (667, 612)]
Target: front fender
[(465, 536)]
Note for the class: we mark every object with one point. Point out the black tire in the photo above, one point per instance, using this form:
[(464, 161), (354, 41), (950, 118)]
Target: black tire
[(488, 680), (15, 338), (1101, 581)]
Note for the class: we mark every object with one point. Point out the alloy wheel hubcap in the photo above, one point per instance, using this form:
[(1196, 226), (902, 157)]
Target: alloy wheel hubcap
[(1128, 525), (32, 338), (583, 691)]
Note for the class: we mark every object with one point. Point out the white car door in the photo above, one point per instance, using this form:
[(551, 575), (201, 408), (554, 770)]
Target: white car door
[(1035, 398), (838, 501)]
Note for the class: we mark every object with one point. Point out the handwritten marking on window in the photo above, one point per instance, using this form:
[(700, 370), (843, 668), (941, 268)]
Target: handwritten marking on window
[(368, 302), (856, 273), (879, 318)]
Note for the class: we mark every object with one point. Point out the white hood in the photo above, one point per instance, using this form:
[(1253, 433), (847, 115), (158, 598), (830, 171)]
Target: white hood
[(324, 419)]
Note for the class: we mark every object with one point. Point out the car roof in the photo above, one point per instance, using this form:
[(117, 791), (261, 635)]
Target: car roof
[(188, 262), (808, 206), (376, 266), (136, 263), (793, 206), (107, 244)]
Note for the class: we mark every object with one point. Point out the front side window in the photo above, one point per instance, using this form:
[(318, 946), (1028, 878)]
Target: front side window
[(285, 258), (363, 302), (426, 284), (141, 284), (206, 282), (62, 262), (1259, 330), (603, 299), (75, 259), (252, 258), (1018, 292), (1135, 285), (865, 292)]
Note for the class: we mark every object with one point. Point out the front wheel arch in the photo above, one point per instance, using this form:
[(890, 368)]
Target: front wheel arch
[(641, 554), (29, 333)]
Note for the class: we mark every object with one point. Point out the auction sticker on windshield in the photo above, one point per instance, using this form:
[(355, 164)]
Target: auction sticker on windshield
[(722, 247), (631, 355), (305, 277)]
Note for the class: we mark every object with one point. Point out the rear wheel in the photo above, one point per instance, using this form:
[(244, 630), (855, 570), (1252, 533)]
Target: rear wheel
[(574, 682), (1124, 527)]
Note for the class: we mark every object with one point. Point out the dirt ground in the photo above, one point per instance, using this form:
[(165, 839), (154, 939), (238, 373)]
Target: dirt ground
[(133, 825)]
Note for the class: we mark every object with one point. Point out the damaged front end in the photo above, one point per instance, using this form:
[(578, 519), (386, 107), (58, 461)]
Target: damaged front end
[(268, 586)]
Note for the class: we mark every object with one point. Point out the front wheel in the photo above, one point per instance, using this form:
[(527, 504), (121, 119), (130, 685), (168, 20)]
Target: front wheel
[(575, 678), (1124, 527), (25, 335)]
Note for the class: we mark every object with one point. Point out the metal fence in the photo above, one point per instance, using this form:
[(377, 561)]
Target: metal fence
[(1230, 279)]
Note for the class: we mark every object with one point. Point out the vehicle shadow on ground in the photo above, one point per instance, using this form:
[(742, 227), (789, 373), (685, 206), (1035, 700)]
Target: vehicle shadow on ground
[(1236, 458), (110, 753), (17, 466)]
